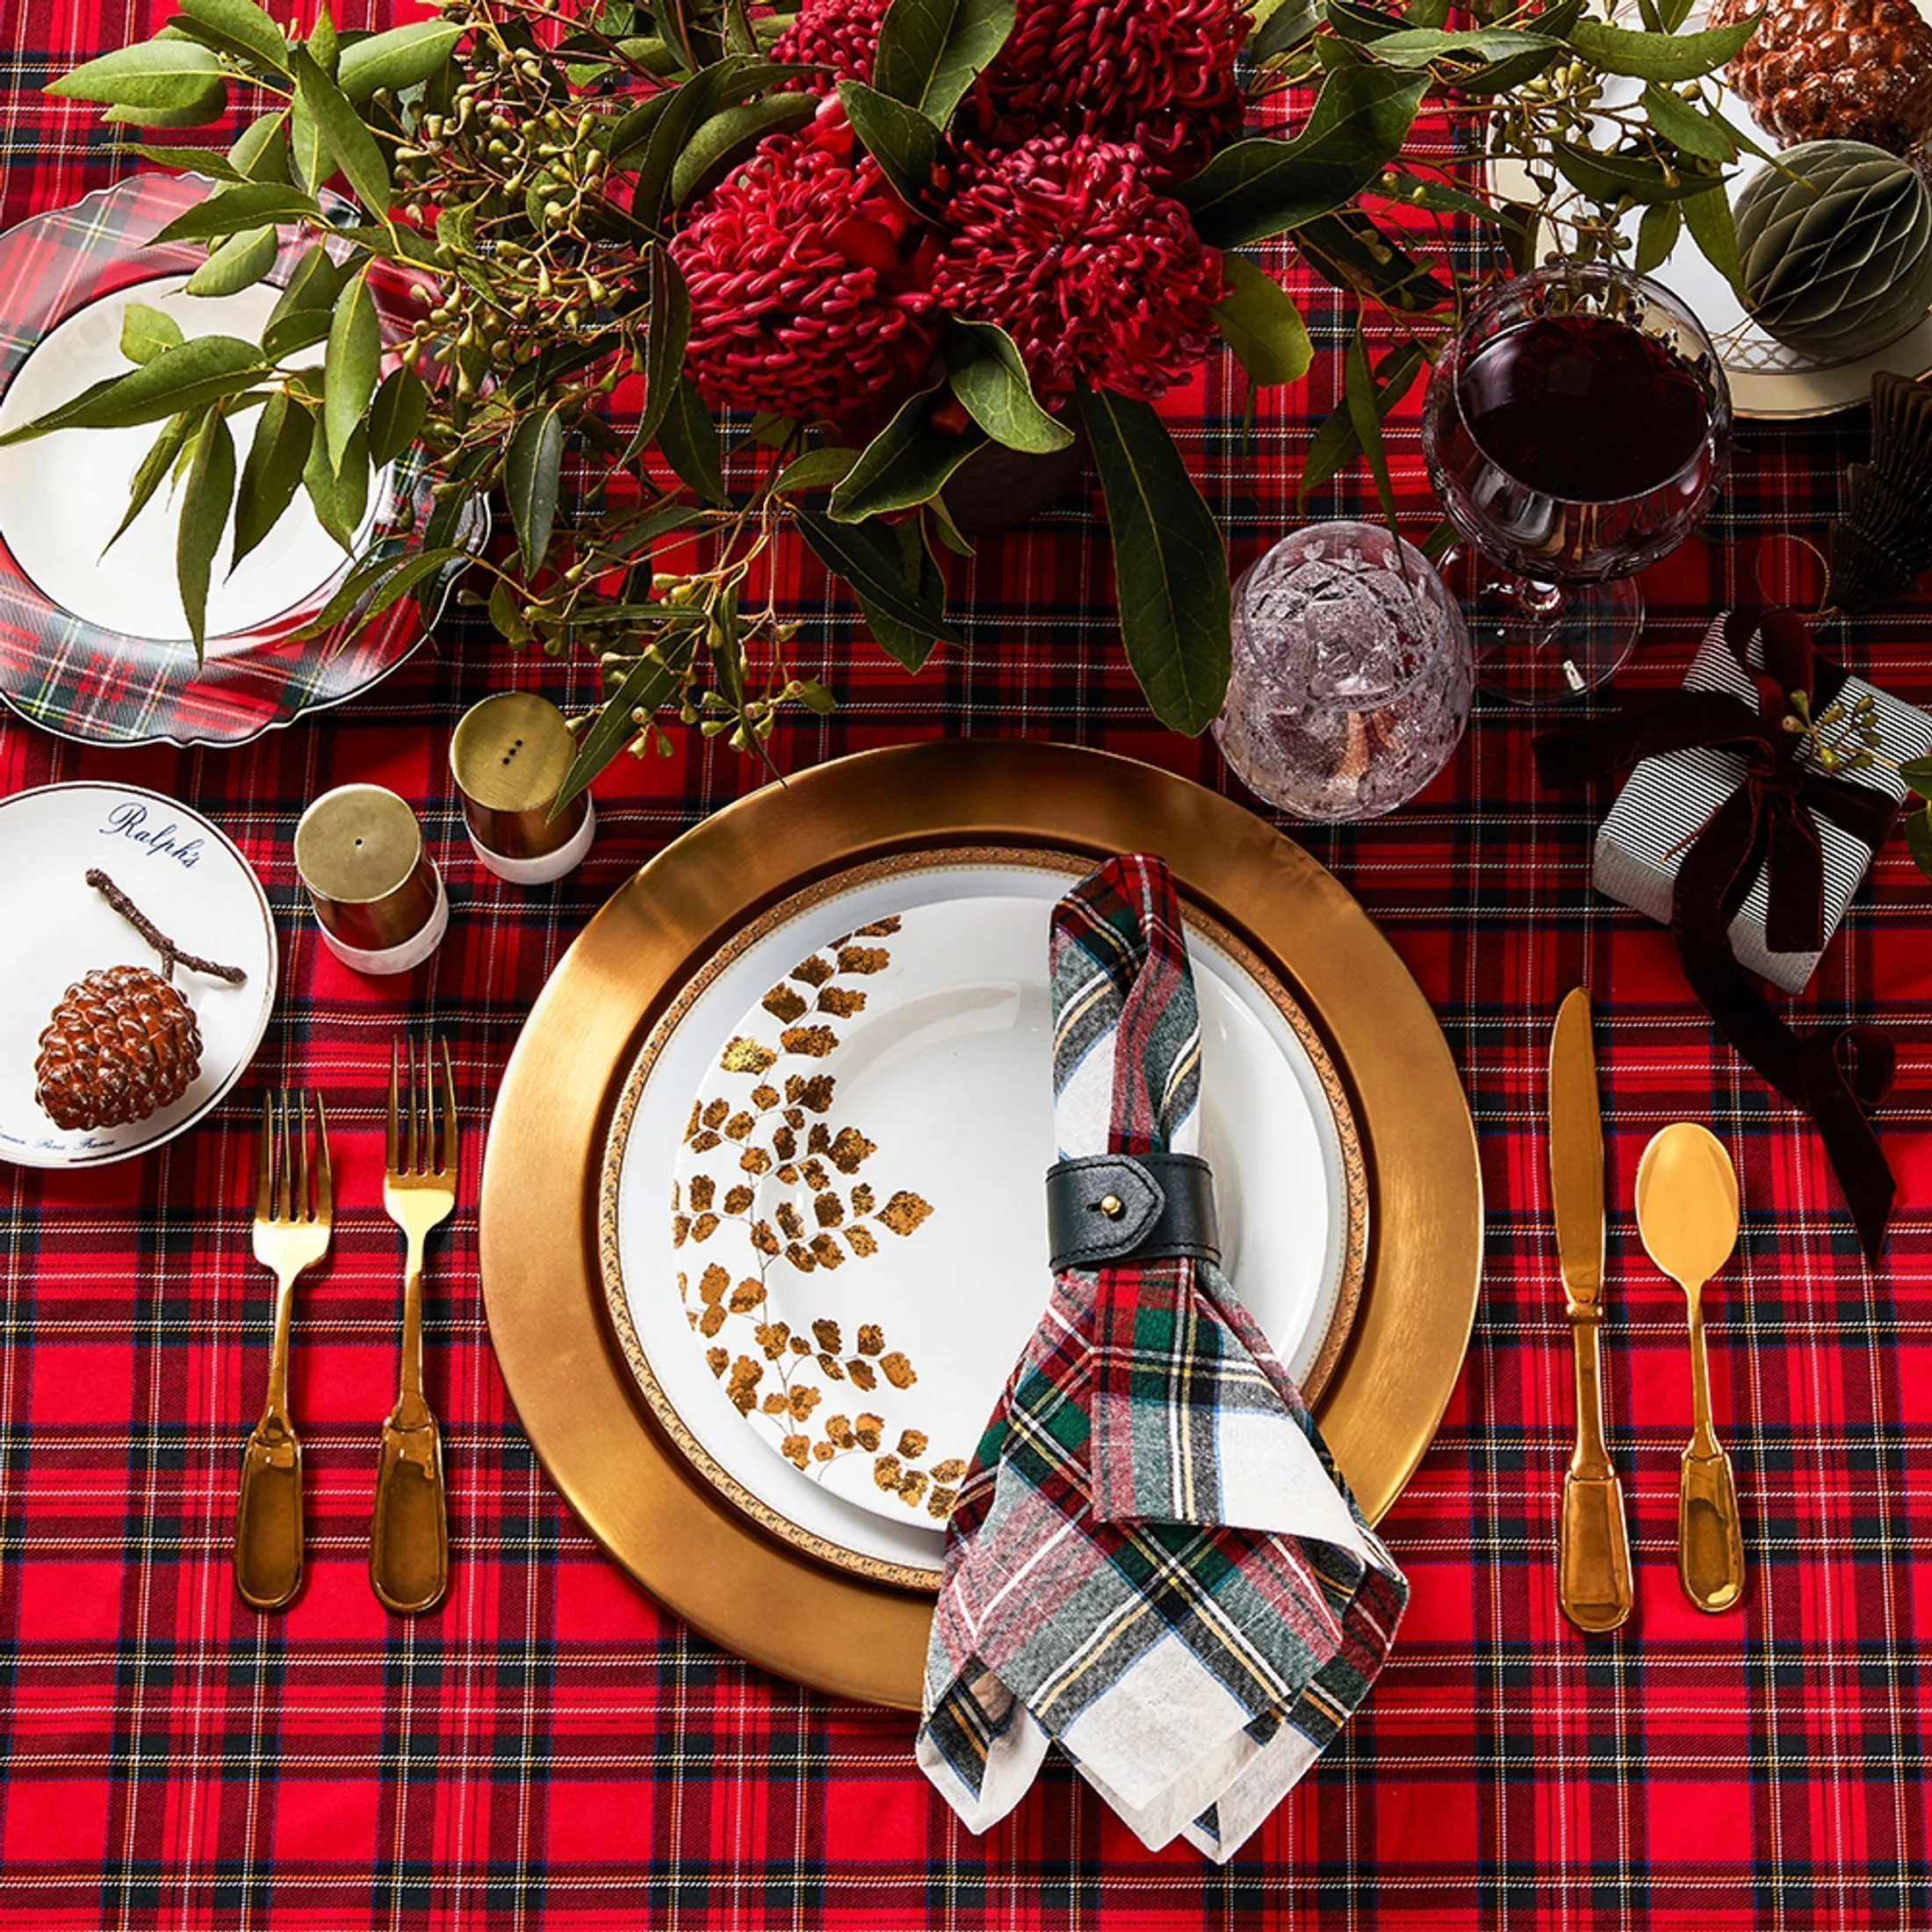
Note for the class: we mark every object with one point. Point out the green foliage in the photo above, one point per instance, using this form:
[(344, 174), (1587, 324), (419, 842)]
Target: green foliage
[(527, 171)]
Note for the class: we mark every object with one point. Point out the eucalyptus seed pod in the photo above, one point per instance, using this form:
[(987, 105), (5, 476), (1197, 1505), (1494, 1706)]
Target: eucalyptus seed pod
[(1836, 246)]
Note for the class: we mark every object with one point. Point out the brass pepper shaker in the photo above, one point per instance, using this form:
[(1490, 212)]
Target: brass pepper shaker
[(509, 757), (378, 898)]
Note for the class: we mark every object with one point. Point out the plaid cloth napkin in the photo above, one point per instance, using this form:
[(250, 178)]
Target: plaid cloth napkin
[(1153, 1561)]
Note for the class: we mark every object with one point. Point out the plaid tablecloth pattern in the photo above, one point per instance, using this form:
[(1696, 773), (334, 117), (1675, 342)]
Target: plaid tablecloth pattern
[(550, 1751)]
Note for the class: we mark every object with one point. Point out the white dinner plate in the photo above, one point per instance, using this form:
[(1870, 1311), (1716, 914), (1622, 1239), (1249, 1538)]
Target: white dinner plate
[(192, 884), (824, 1205)]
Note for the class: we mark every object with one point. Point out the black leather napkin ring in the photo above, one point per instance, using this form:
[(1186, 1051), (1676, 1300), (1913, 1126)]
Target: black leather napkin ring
[(1110, 1208)]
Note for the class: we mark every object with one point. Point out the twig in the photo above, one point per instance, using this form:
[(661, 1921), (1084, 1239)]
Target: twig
[(170, 952)]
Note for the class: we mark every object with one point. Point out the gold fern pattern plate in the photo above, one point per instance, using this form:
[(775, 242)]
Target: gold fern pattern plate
[(784, 1172), (822, 1217)]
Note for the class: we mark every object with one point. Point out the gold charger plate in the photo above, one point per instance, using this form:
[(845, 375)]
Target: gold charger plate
[(544, 1293)]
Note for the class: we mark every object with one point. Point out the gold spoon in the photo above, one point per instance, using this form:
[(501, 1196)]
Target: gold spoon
[(1687, 1212)]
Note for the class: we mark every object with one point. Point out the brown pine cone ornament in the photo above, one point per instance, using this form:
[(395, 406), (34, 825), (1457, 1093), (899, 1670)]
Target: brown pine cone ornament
[(122, 1044), (1834, 70)]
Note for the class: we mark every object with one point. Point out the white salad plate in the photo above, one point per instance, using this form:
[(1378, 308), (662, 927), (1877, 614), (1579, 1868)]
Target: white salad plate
[(190, 881), (1766, 378), (824, 1215)]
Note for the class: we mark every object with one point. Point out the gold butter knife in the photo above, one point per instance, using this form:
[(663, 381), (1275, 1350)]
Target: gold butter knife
[(1593, 1566)]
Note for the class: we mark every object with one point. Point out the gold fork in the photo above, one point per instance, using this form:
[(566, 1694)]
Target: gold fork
[(294, 1205), (409, 1538)]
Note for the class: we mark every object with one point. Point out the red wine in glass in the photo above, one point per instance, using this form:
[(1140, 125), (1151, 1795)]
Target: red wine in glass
[(1575, 432)]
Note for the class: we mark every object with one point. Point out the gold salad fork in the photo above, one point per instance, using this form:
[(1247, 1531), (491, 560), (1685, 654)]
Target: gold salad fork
[(409, 1538), (294, 1205)]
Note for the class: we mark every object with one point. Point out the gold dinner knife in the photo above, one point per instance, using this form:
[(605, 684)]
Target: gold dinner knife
[(1593, 1565)]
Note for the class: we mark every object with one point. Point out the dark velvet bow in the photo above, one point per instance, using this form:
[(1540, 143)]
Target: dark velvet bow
[(1834, 1074)]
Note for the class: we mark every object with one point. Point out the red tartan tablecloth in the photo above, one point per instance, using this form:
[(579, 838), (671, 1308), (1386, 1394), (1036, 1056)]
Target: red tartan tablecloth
[(550, 1749)]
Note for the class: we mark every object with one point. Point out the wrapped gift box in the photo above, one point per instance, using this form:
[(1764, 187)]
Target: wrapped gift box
[(1667, 801)]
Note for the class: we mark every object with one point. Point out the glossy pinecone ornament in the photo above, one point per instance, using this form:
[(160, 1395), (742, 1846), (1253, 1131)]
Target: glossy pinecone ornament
[(123, 1042), (1834, 70), (1884, 538), (1836, 247), (121, 1045)]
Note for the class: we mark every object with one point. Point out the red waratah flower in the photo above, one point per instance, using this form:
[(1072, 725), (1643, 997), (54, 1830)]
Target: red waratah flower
[(838, 37), (1158, 73), (807, 280), (1092, 272)]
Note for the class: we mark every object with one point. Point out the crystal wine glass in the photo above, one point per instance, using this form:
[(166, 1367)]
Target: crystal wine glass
[(1575, 430)]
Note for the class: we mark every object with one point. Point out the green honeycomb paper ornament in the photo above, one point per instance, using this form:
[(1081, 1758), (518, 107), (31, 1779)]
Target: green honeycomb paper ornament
[(1836, 241)]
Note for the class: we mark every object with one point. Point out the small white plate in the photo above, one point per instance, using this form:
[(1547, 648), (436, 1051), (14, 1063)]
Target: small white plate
[(888, 1049), (62, 495), (1766, 378), (191, 882)]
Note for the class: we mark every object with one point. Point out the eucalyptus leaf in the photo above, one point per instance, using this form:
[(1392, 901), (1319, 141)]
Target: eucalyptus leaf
[(1657, 234), (865, 558), (1359, 23), (211, 161), (1917, 773), (246, 27), (153, 469), (1362, 396), (1284, 28), (930, 51), (1419, 47), (160, 74), (351, 143), (205, 499), (907, 463), (507, 614), (295, 333), (1686, 126), (729, 135), (1659, 56), (1610, 178), (259, 152), (899, 138), (666, 332), (325, 494), (1259, 187), (272, 472), (324, 43), (148, 332), (1918, 838), (688, 435), (403, 57), (196, 372), (1171, 569), (352, 366), (396, 415), (1350, 252), (1258, 320), (377, 583), (307, 153), (1708, 218), (533, 473), (208, 106), (989, 376), (815, 470), (1335, 443), (649, 683), (228, 210), (239, 263), (695, 30)]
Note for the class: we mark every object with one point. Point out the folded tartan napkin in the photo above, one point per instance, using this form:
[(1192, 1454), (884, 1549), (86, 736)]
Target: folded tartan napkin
[(1152, 1561)]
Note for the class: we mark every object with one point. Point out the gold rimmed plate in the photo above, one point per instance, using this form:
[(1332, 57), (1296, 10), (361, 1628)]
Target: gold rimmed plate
[(852, 1097), (591, 1421)]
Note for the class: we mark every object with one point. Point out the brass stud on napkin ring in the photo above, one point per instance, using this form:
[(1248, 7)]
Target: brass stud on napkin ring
[(1112, 1208)]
